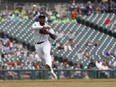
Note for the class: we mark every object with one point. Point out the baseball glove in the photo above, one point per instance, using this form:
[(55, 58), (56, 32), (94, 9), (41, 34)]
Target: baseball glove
[(43, 31)]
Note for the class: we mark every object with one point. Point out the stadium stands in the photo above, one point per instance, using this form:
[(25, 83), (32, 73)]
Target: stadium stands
[(94, 35), (23, 33), (102, 22)]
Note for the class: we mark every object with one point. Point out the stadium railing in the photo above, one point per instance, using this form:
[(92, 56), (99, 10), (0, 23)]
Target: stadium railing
[(66, 74)]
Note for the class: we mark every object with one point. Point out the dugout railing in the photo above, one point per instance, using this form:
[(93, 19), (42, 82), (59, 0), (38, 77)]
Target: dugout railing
[(62, 74)]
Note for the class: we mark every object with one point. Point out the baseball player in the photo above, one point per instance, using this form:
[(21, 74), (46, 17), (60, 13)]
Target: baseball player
[(42, 45)]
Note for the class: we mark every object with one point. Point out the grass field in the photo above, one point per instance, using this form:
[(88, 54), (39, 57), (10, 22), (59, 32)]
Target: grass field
[(72, 85), (59, 83)]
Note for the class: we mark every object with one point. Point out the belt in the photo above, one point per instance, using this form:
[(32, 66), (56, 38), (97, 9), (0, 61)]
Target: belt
[(39, 42)]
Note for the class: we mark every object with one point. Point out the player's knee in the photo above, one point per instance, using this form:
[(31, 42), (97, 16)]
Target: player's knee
[(47, 53)]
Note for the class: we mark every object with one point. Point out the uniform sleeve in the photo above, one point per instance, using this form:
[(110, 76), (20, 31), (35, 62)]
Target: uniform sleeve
[(52, 34), (52, 31), (36, 26)]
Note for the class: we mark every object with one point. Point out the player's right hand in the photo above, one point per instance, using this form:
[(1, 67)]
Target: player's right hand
[(47, 27)]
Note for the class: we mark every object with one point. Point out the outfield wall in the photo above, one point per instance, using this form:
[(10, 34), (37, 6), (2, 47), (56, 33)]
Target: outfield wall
[(62, 74)]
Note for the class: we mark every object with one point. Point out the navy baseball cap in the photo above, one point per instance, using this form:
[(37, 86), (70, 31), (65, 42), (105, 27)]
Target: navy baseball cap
[(42, 15)]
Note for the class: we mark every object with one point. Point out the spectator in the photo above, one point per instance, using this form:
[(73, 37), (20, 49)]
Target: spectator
[(66, 74), (15, 17), (34, 10), (105, 61), (13, 46), (49, 12), (59, 34), (86, 76), (29, 57), (75, 14), (104, 74), (35, 58), (19, 45), (59, 45), (3, 17), (1, 45), (71, 35), (114, 64), (60, 66), (112, 54), (69, 45), (22, 56), (55, 64), (112, 6), (54, 12), (98, 64), (89, 8), (72, 5), (62, 75), (104, 6), (96, 7), (80, 54), (6, 49), (111, 65), (107, 22), (11, 75), (89, 43), (107, 54), (5, 40), (65, 15), (24, 17), (91, 64), (0, 52), (87, 55), (82, 9), (77, 74), (97, 44)]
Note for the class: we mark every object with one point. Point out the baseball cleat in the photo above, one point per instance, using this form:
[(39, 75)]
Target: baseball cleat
[(54, 75)]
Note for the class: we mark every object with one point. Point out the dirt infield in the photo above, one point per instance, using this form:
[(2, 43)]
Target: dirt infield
[(53, 82)]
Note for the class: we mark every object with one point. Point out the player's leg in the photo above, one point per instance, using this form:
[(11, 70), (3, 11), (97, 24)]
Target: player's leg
[(39, 52), (48, 58), (46, 53)]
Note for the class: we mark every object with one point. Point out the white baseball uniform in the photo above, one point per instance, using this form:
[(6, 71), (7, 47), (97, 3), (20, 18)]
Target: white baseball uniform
[(42, 45)]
